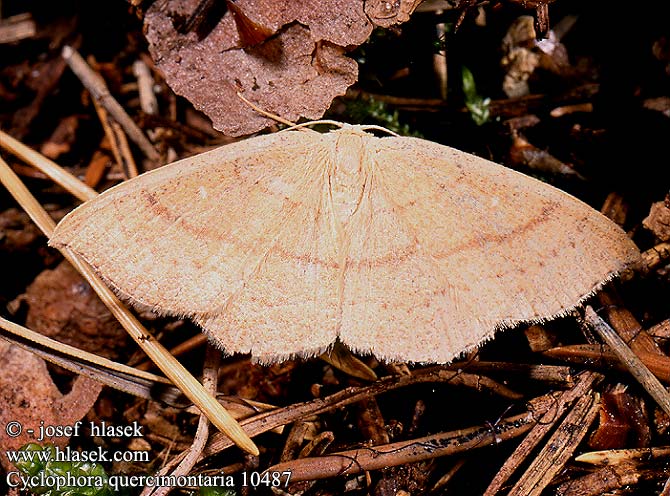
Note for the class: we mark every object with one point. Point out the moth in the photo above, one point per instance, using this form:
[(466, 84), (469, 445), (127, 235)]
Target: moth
[(279, 245), (208, 13)]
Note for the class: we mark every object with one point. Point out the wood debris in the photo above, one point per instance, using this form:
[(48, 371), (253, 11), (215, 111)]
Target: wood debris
[(82, 320), (31, 400), (524, 412)]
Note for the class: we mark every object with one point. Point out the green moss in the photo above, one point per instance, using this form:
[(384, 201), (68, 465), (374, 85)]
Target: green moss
[(476, 104), (371, 111), (217, 491), (43, 470)]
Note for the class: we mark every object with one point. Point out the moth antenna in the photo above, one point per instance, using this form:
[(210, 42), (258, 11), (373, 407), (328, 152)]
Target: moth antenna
[(269, 115), (293, 125), (365, 127), (379, 128)]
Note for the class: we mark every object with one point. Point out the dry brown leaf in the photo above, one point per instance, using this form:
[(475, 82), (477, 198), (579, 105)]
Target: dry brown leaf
[(524, 154), (523, 54), (410, 250), (62, 306), (62, 138), (519, 60), (659, 104), (658, 220), (163, 425), (29, 396), (622, 422), (385, 13), (295, 73), (17, 233), (22, 251)]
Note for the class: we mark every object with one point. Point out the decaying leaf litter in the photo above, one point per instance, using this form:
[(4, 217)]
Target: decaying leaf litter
[(424, 413)]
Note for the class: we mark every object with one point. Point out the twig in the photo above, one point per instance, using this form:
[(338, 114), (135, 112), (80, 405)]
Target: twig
[(266, 421), (210, 376), (571, 109), (626, 324), (631, 361), (96, 85), (16, 28), (552, 374), (269, 420), (145, 85), (607, 480), (499, 108), (117, 140), (660, 331), (240, 408), (370, 422), (654, 256), (584, 384), (316, 447), (318, 444), (166, 362), (594, 355), (148, 101), (413, 450), (131, 167), (444, 480), (294, 440), (603, 481), (559, 447)]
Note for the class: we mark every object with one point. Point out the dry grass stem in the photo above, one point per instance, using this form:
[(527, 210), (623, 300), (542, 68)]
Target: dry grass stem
[(184, 347), (156, 352), (631, 361), (110, 373), (626, 325), (51, 169), (210, 375), (616, 456)]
